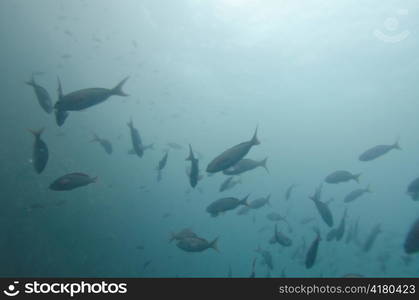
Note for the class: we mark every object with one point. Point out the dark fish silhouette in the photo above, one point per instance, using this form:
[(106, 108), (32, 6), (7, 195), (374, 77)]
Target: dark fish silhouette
[(280, 238), (371, 238), (39, 152), (163, 161), (312, 251), (225, 204), (71, 181), (137, 144), (340, 231), (106, 145), (411, 243), (378, 151), (60, 117), (413, 189), (85, 98), (194, 172), (196, 244), (42, 95), (232, 155), (253, 273), (322, 207), (289, 191), (355, 194)]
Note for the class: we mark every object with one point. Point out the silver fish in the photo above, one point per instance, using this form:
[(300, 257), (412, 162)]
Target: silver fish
[(378, 151), (341, 176)]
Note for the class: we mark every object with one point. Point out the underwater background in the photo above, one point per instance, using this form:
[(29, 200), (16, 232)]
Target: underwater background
[(322, 80)]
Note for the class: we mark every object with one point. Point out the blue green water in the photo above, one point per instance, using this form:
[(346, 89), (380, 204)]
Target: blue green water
[(323, 80)]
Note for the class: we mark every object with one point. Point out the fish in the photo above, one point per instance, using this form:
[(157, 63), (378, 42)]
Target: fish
[(71, 181), (341, 176), (85, 98), (289, 191), (106, 145), (253, 273), (312, 251), (280, 238), (196, 244), (40, 153), (194, 172), (260, 202), (137, 143), (225, 204), (376, 230), (340, 231), (413, 189), (245, 165), (355, 194), (232, 155), (243, 211), (411, 243), (163, 161), (378, 151), (322, 207), (42, 95), (60, 117), (174, 146), (184, 233), (267, 257), (161, 165), (228, 184)]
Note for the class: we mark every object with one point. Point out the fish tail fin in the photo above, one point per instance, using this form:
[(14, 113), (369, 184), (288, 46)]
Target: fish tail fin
[(190, 157), (95, 179), (263, 164), (255, 140), (244, 201), (36, 133), (118, 89), (356, 177), (214, 244)]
